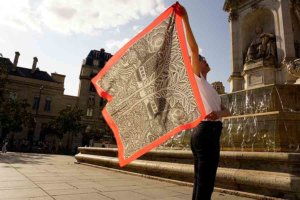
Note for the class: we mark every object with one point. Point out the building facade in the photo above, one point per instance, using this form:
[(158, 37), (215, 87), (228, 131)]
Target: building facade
[(45, 95)]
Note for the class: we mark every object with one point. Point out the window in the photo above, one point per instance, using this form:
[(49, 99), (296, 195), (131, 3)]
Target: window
[(47, 104), (91, 101), (92, 88), (89, 112), (154, 107), (142, 73), (13, 95), (96, 62), (36, 102), (101, 103)]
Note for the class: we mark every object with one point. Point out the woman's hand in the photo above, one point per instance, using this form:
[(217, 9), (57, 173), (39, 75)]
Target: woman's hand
[(212, 116), (224, 112), (180, 10)]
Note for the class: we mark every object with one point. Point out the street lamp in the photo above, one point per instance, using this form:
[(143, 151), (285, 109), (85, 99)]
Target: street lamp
[(31, 134), (39, 100)]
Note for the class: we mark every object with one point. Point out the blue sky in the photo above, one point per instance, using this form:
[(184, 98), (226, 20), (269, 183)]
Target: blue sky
[(62, 32)]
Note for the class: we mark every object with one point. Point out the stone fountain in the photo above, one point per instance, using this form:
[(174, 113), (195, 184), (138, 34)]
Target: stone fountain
[(265, 95)]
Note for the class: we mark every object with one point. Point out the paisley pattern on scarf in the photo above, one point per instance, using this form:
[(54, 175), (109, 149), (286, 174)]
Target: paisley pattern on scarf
[(150, 89)]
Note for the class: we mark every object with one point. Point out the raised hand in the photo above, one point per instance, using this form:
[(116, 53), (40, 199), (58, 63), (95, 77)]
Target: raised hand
[(180, 10)]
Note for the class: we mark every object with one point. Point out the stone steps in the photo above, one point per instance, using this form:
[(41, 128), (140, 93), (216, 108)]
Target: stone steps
[(268, 174)]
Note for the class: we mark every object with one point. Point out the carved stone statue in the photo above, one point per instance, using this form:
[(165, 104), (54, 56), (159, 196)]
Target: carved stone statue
[(219, 87), (293, 68), (262, 47)]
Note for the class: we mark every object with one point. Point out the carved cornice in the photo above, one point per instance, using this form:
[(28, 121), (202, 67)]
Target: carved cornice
[(295, 1), (230, 5), (255, 6), (233, 15)]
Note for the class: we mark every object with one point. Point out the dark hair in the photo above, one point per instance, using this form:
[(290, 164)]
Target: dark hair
[(202, 58)]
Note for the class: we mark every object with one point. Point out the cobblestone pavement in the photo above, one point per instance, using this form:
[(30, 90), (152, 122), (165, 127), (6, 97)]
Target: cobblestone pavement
[(42, 176)]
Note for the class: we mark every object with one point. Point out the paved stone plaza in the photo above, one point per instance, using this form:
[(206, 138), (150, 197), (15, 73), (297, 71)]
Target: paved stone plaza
[(43, 176)]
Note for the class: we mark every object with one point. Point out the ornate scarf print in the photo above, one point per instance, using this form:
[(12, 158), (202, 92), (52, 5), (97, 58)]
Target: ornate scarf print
[(150, 87)]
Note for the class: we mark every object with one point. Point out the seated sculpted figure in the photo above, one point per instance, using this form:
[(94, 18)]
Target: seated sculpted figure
[(262, 46), (268, 47)]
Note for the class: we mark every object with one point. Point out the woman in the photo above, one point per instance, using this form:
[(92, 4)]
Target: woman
[(205, 140), (4, 150)]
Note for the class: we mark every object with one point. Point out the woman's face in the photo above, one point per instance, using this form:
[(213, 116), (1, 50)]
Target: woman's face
[(204, 67)]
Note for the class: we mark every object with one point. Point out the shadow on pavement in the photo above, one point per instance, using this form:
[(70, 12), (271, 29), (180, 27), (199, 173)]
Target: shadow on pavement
[(25, 158)]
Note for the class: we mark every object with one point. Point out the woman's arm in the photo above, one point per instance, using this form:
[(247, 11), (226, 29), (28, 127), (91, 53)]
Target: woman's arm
[(224, 112), (194, 50)]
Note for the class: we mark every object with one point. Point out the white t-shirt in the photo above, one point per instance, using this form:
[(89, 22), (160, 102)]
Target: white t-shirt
[(210, 98)]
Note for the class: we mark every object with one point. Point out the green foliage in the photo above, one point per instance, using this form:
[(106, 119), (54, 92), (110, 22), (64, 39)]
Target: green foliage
[(50, 129), (3, 79), (14, 115), (67, 122), (93, 132)]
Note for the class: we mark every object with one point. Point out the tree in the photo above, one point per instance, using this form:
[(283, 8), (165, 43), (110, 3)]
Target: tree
[(68, 122), (13, 112), (3, 79), (14, 116), (92, 132)]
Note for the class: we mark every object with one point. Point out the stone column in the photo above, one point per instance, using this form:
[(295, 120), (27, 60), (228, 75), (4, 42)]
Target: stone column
[(236, 80), (285, 41)]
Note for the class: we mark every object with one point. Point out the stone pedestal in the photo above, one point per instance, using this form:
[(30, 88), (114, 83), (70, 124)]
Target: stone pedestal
[(259, 74)]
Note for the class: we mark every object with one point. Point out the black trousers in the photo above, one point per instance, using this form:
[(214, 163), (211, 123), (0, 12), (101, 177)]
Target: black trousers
[(205, 144)]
